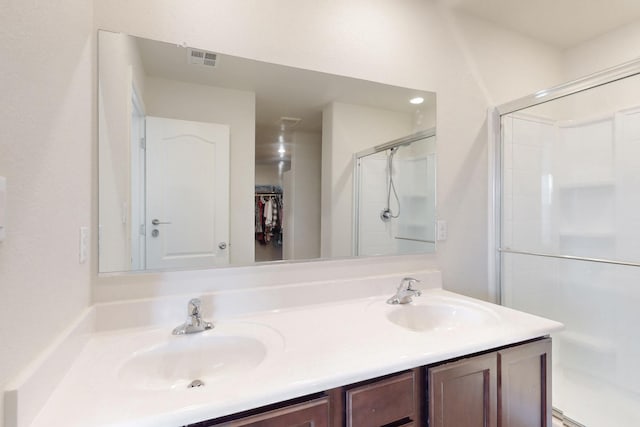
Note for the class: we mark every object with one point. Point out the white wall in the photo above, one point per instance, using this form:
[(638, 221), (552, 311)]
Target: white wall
[(120, 68), (46, 139), (506, 65), (187, 101), (303, 240), (267, 174), (608, 50)]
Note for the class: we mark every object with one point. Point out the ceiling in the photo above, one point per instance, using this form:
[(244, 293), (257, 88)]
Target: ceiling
[(562, 23)]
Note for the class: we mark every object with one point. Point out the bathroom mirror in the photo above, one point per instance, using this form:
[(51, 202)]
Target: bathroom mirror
[(210, 160)]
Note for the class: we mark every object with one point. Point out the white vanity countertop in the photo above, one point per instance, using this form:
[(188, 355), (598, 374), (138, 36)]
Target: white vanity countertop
[(310, 349)]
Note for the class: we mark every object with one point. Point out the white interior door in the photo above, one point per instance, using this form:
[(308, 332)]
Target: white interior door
[(187, 218)]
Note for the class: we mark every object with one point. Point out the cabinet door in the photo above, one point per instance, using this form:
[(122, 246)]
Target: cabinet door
[(309, 414), (525, 385), (464, 393)]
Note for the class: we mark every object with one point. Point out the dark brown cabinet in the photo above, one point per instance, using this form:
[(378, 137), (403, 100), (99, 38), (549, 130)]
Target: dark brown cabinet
[(525, 385), (510, 387), (383, 402), (314, 413), (507, 387), (464, 393)]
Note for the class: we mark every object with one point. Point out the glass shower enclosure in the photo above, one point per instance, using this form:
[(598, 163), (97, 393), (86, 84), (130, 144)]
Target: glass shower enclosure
[(568, 236), (394, 197)]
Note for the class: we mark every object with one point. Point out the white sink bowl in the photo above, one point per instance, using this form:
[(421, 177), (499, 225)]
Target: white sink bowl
[(428, 313), (209, 357)]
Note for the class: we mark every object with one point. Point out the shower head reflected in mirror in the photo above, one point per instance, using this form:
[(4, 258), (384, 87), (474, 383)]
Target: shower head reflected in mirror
[(387, 214)]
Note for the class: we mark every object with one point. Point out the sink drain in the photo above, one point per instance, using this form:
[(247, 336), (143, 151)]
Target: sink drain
[(196, 383)]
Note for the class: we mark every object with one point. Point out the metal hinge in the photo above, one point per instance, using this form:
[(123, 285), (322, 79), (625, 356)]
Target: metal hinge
[(143, 143)]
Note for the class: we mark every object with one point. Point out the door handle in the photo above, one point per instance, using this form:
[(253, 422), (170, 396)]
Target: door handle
[(158, 222), (222, 245)]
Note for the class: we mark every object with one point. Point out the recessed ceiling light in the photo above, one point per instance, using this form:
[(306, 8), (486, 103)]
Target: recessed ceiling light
[(281, 150), (417, 100)]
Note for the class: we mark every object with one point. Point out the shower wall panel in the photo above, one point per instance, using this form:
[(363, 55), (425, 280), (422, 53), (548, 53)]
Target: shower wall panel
[(376, 236)]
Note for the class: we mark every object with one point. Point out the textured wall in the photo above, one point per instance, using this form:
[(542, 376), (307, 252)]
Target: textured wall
[(120, 68), (46, 81), (607, 50)]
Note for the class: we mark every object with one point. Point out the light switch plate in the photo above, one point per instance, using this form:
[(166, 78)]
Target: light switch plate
[(441, 230), (3, 208)]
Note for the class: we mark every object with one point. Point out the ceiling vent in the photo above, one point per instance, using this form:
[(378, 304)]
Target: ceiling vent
[(202, 57), (289, 122)]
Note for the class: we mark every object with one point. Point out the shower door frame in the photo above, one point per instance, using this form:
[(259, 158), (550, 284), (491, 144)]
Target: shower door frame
[(409, 139), (609, 75)]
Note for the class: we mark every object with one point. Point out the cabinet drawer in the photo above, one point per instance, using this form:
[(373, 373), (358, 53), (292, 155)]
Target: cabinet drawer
[(309, 414), (382, 402)]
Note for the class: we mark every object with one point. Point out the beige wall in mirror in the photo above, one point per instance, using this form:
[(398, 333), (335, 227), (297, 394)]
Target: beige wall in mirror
[(209, 160)]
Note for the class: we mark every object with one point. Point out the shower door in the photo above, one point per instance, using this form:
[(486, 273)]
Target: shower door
[(569, 241), (394, 198)]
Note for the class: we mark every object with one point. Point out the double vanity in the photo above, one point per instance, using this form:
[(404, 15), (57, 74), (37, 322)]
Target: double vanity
[(353, 362)]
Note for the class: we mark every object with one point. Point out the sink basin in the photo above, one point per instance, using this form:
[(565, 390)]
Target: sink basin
[(439, 314), (182, 362)]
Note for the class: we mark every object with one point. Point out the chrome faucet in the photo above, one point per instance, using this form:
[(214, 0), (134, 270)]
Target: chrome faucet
[(405, 292), (194, 321)]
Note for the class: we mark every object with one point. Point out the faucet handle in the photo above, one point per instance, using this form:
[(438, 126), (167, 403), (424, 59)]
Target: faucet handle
[(405, 292), (409, 282), (194, 307), (194, 322)]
